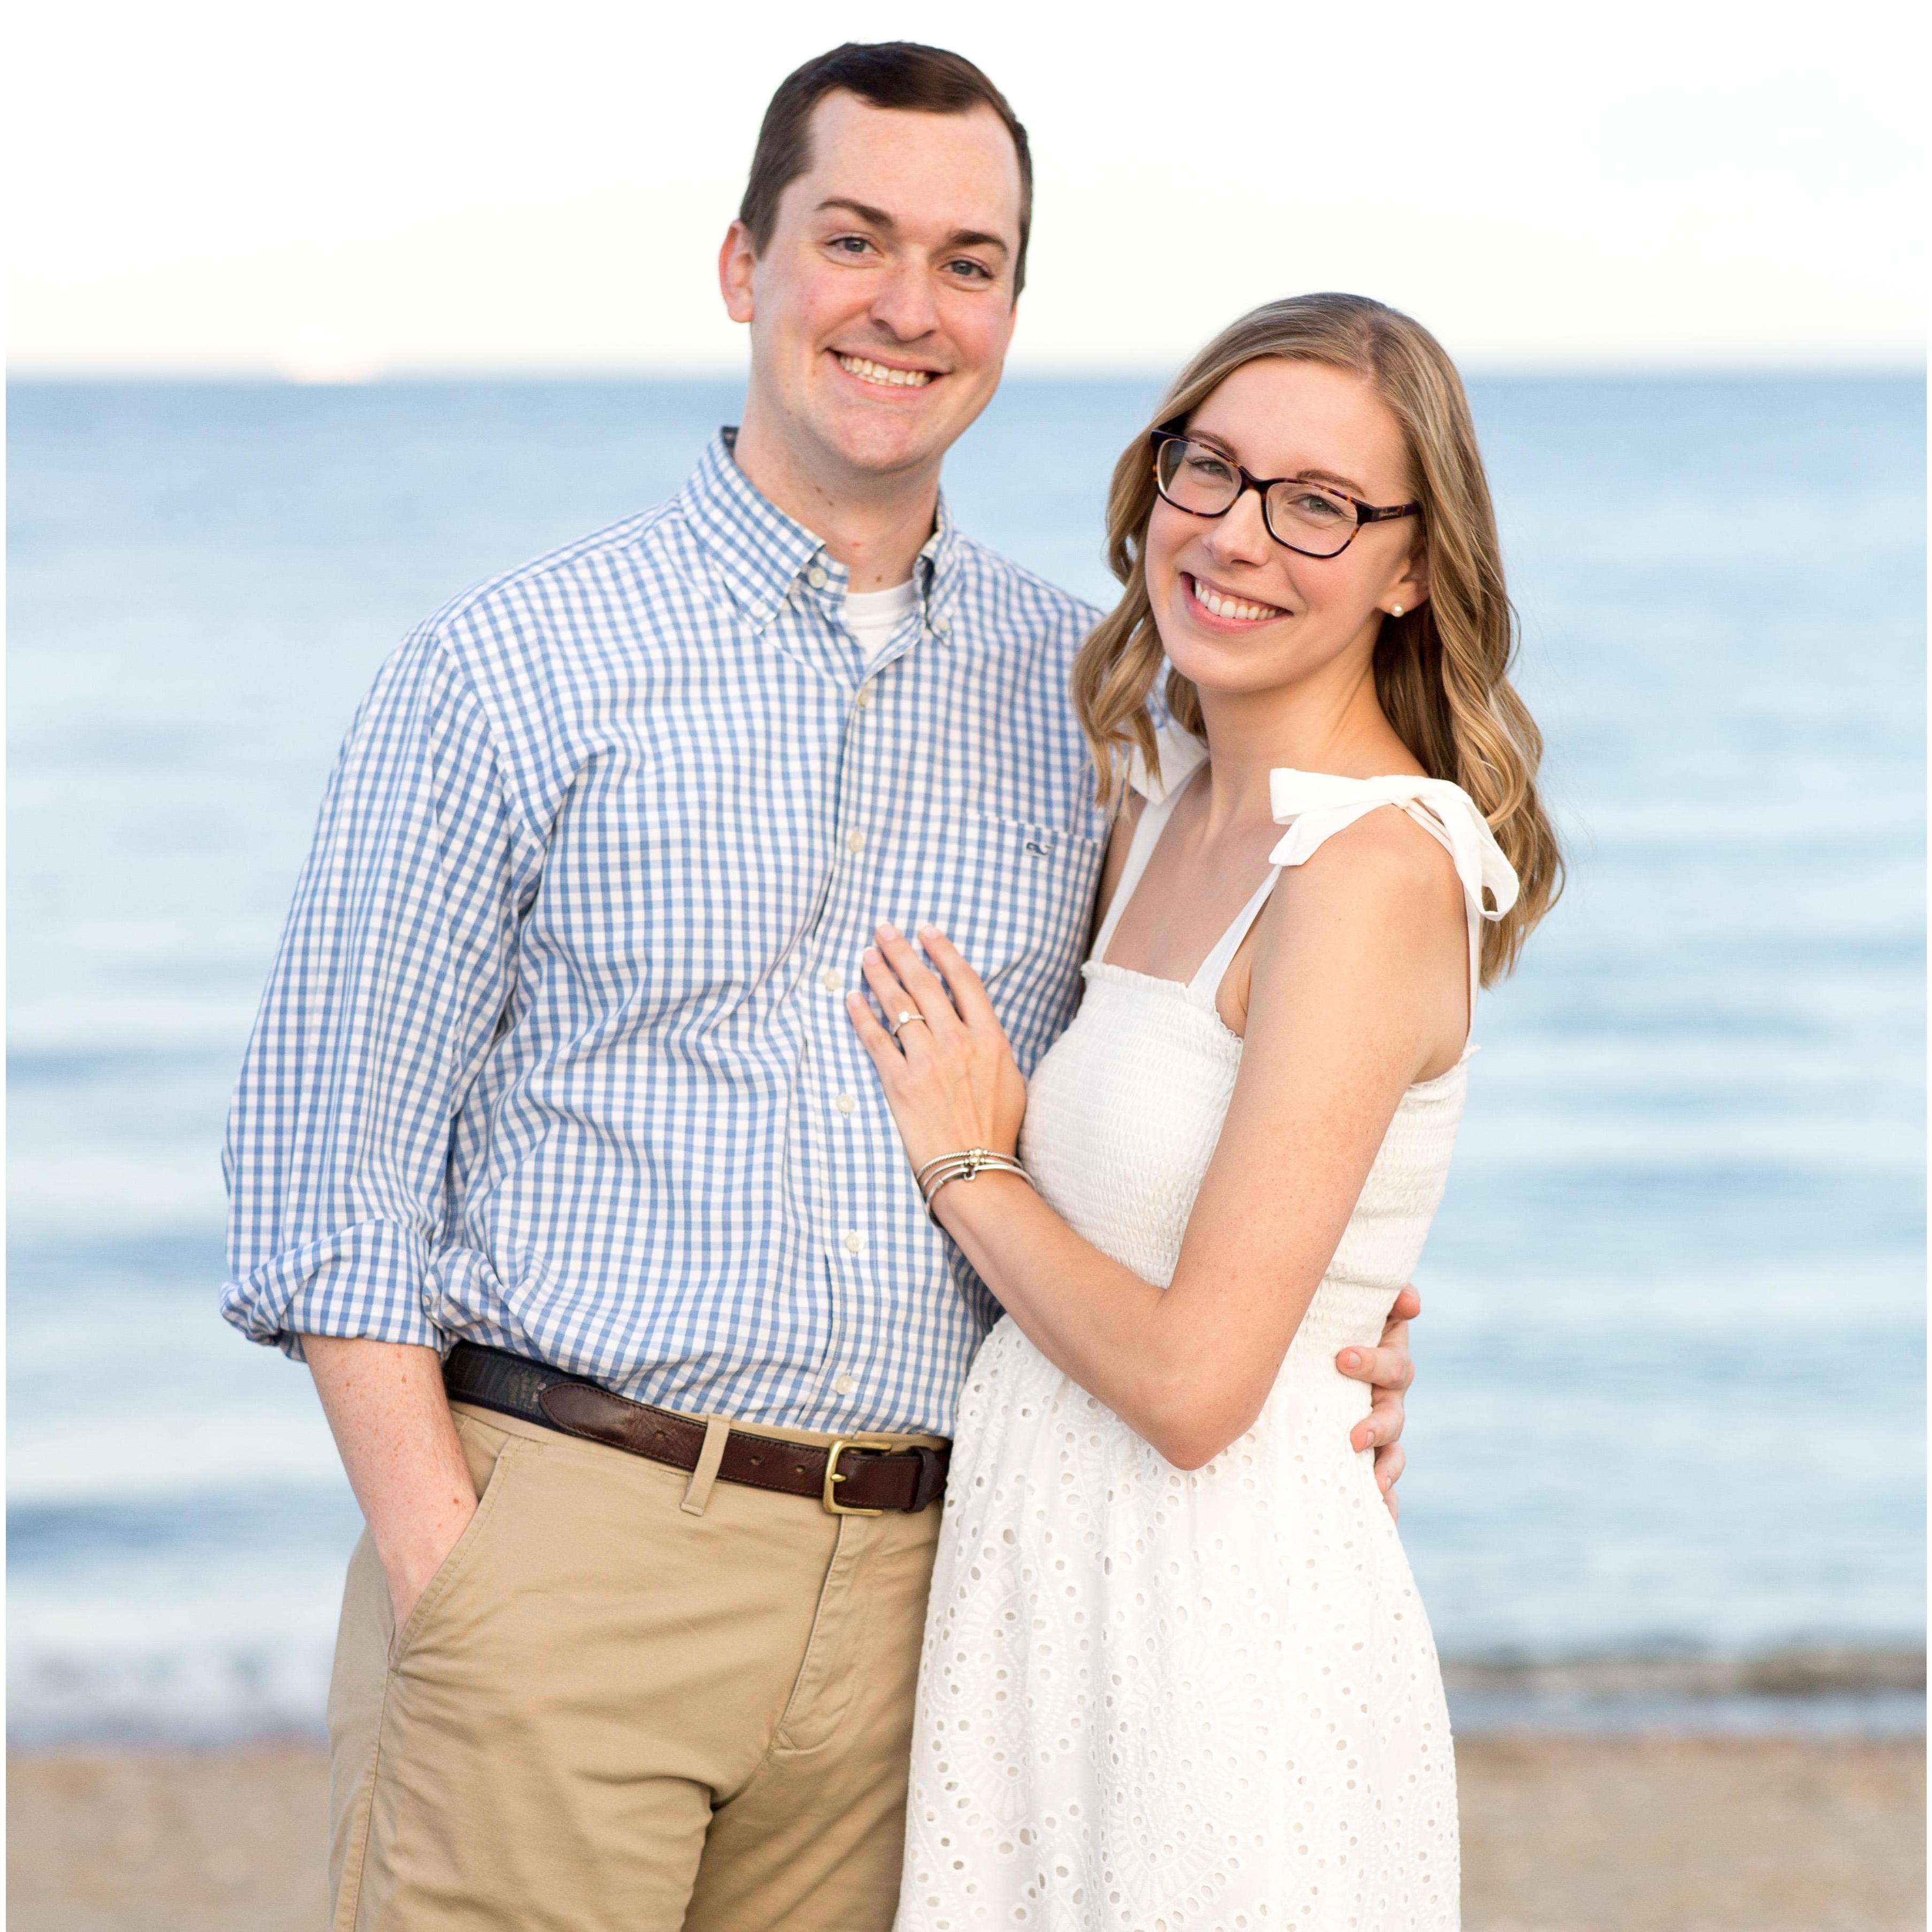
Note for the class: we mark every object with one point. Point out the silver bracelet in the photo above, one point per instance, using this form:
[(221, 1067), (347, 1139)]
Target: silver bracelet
[(967, 1164), (978, 1157)]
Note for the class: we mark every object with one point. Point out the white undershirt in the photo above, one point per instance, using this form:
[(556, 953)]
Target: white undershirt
[(873, 616)]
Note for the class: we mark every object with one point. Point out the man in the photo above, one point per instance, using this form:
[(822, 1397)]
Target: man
[(553, 1076)]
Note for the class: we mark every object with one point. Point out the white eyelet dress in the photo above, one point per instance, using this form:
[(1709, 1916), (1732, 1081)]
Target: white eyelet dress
[(1152, 1700)]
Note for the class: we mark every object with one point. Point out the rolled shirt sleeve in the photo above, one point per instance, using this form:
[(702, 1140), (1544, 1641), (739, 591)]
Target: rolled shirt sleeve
[(397, 966)]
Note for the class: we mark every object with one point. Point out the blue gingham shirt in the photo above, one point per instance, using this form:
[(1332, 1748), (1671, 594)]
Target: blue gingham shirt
[(555, 1055)]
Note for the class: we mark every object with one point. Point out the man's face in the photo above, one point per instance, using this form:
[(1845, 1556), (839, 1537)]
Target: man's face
[(881, 308)]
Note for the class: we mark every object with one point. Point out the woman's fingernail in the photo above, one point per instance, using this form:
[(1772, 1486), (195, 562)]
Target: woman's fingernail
[(931, 932), (888, 931), (1350, 1359), (871, 955)]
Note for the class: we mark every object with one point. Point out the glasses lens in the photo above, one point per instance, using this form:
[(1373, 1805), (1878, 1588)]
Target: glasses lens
[(1193, 477), (1310, 519)]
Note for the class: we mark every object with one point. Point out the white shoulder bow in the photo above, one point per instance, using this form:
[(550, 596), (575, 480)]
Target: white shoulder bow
[(1314, 805)]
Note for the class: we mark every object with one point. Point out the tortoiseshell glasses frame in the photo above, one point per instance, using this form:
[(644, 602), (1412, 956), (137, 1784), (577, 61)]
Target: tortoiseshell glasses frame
[(1357, 514)]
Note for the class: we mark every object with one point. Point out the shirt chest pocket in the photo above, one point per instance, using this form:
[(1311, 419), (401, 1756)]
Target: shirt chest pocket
[(1016, 899)]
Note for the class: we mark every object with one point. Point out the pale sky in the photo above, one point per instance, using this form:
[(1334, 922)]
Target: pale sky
[(396, 187)]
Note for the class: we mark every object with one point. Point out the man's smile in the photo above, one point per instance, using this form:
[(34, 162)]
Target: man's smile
[(883, 375)]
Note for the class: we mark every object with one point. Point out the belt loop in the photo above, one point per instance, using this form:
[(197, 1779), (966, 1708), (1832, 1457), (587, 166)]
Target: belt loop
[(698, 1491)]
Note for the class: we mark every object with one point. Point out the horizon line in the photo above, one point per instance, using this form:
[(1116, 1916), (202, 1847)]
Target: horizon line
[(352, 376)]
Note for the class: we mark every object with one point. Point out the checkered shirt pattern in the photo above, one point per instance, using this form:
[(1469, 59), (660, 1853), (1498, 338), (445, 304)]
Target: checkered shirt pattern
[(554, 1056)]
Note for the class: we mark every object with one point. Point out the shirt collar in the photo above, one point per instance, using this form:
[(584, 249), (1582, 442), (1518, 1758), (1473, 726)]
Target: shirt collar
[(760, 553), (938, 562)]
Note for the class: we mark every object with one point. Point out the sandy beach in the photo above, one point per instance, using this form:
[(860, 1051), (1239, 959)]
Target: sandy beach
[(1561, 1834)]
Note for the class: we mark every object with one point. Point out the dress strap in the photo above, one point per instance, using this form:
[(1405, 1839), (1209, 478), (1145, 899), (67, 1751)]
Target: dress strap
[(1177, 756), (1203, 989), (1140, 848), (1315, 806)]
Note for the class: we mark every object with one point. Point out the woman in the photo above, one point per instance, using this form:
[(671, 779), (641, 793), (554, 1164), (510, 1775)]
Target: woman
[(1176, 1674)]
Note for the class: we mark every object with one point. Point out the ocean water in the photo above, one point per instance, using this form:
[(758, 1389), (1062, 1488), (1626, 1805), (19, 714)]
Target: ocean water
[(1669, 1399)]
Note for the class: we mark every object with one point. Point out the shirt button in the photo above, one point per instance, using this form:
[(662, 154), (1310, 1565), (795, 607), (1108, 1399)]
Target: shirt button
[(855, 840), (864, 696), (845, 1103), (855, 1243), (817, 578), (831, 982), (942, 624), (844, 1385)]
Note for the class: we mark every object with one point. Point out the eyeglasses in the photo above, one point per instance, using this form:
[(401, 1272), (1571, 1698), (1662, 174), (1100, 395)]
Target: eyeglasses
[(1311, 519)]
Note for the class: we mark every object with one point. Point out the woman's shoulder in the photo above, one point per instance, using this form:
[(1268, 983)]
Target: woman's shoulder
[(1377, 863), (1374, 918), (1435, 825)]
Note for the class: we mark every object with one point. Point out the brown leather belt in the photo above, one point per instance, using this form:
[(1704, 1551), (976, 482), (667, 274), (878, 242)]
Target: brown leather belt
[(856, 1475)]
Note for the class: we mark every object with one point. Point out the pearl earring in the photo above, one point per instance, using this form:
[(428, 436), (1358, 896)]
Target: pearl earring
[(1395, 610)]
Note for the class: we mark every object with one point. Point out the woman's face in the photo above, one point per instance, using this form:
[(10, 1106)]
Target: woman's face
[(1238, 612)]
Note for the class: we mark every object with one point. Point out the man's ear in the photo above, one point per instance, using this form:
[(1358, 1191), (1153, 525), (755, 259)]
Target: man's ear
[(736, 261)]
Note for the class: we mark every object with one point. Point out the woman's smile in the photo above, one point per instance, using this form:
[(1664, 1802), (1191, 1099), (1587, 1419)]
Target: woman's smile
[(1220, 608)]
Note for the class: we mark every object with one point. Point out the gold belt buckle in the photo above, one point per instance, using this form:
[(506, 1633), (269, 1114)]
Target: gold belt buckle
[(833, 1506)]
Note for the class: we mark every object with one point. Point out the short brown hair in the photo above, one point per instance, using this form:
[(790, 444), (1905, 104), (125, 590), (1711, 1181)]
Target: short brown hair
[(887, 74)]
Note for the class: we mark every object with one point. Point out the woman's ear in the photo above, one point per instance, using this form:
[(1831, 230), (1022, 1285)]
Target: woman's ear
[(1411, 588)]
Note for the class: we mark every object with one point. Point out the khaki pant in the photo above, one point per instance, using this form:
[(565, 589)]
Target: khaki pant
[(609, 1714)]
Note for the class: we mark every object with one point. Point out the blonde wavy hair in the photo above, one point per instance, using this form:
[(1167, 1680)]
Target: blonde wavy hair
[(1441, 670)]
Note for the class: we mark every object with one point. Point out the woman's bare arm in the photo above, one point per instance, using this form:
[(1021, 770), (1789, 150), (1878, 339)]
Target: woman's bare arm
[(1354, 961)]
